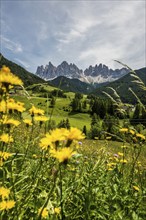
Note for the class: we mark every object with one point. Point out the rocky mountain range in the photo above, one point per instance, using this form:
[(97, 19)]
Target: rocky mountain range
[(93, 74)]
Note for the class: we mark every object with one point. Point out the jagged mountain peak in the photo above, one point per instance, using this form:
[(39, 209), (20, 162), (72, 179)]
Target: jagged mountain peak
[(98, 73)]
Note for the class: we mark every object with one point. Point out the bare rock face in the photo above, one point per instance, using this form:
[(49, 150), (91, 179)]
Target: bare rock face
[(98, 73)]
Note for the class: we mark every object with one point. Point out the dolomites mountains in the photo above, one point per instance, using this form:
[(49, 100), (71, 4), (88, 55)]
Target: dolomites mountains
[(93, 74)]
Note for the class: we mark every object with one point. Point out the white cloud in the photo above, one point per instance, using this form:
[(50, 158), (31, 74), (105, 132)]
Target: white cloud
[(11, 45)]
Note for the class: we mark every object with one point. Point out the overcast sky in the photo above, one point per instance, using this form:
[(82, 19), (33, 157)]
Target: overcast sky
[(81, 32)]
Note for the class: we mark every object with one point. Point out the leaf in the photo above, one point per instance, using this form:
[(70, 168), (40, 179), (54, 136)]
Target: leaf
[(135, 216)]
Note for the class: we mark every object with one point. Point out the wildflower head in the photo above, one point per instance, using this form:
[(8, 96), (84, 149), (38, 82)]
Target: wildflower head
[(7, 78), (123, 130), (43, 212), (75, 134), (6, 138), (120, 154), (41, 119), (45, 142), (136, 188), (5, 205), (28, 122), (15, 106), (63, 155), (123, 161), (140, 136), (57, 210), (4, 192), (36, 111), (10, 122), (132, 132), (5, 155)]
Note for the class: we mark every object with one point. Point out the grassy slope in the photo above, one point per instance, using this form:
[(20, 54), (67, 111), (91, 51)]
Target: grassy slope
[(77, 119), (122, 86)]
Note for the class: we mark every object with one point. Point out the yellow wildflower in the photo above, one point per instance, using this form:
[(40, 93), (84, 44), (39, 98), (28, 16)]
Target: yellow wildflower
[(140, 136), (45, 143), (2, 106), (123, 146), (111, 164), (75, 134), (35, 110), (63, 155), (110, 168), (28, 122), (11, 121), (120, 154), (34, 156), (18, 106), (59, 134), (52, 137), (57, 210), (41, 118), (132, 132), (5, 155), (6, 77), (123, 161), (136, 188), (5, 205), (4, 192), (123, 130), (6, 138), (44, 213)]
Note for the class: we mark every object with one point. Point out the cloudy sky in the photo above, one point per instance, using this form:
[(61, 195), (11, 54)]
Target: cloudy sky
[(82, 32)]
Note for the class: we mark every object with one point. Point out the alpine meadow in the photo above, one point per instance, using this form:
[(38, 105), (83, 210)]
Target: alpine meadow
[(66, 155)]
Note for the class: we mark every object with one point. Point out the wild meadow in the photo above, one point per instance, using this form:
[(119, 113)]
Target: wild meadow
[(58, 173)]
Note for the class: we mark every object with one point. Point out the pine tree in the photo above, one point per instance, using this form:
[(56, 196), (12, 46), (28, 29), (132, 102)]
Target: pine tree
[(85, 130), (67, 124)]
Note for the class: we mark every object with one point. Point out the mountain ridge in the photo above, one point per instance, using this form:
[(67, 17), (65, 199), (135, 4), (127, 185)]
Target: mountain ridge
[(122, 86), (93, 74)]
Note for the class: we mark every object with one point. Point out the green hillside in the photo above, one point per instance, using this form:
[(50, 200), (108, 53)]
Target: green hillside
[(122, 86), (71, 85), (27, 77)]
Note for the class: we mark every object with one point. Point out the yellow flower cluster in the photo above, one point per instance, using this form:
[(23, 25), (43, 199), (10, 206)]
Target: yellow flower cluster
[(61, 134), (11, 105), (36, 111), (41, 118), (123, 130), (116, 160), (10, 121), (28, 122), (4, 156), (4, 192), (63, 154), (135, 136), (141, 136), (6, 138), (62, 139), (7, 77), (57, 210), (44, 213), (5, 204)]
